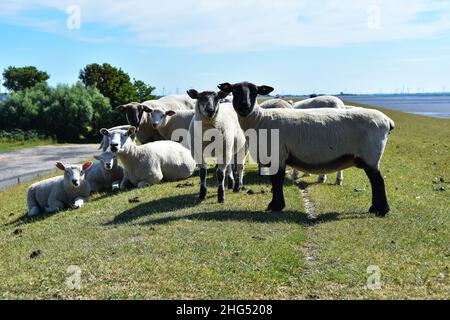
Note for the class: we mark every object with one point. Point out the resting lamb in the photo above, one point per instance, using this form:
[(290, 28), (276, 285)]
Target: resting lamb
[(58, 193)]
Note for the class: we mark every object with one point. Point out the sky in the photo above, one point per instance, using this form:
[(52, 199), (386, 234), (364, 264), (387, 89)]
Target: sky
[(295, 46)]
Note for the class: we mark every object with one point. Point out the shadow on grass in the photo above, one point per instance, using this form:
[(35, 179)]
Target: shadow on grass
[(155, 206)]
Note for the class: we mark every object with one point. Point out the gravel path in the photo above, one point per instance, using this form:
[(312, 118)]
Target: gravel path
[(27, 163)]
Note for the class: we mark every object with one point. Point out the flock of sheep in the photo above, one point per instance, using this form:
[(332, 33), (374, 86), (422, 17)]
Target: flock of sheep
[(318, 135)]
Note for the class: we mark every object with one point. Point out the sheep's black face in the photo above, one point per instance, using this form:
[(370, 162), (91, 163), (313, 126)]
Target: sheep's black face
[(133, 112), (244, 95), (207, 102)]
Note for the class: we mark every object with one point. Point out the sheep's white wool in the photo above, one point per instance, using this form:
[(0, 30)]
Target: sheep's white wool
[(314, 138), (320, 102), (105, 174), (58, 193), (276, 103), (152, 162)]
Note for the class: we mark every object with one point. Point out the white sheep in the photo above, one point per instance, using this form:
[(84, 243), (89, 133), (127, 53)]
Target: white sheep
[(149, 163), (318, 141), (276, 103), (217, 120), (170, 121), (106, 174), (141, 120), (58, 193), (319, 103)]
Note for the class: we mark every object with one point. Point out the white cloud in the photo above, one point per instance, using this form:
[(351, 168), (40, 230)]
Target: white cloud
[(213, 25)]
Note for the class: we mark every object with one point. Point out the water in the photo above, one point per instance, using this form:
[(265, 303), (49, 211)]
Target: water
[(437, 106)]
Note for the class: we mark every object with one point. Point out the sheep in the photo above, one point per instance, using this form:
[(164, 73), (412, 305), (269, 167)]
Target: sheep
[(318, 141), (106, 174), (320, 102), (183, 102), (149, 163), (58, 193), (316, 102), (143, 121), (221, 121), (275, 103)]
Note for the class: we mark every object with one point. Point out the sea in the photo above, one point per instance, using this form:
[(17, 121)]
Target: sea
[(431, 105)]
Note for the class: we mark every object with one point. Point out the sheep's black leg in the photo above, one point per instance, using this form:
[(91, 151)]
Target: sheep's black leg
[(220, 190), (277, 203), (203, 190), (230, 178), (380, 204)]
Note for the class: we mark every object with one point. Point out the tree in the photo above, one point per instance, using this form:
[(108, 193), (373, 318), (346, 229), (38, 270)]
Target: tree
[(17, 79), (71, 113), (113, 83), (143, 90)]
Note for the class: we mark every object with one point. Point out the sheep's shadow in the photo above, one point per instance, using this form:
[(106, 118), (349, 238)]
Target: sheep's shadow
[(155, 206), (292, 217)]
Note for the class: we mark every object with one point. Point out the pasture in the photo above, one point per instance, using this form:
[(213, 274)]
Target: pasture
[(168, 246)]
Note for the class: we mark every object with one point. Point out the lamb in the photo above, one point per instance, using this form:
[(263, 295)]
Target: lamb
[(143, 121), (221, 122), (58, 193), (150, 163), (106, 174), (316, 102), (318, 141), (276, 103)]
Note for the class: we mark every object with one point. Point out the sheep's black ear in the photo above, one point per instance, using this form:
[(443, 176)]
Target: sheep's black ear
[(97, 157), (104, 131), (225, 87), (264, 90), (170, 113), (222, 94), (121, 108), (192, 93)]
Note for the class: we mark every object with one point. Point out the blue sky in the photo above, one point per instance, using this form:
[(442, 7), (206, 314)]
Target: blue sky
[(295, 46)]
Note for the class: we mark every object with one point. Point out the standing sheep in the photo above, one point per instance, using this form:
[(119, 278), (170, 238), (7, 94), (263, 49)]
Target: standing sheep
[(150, 163), (58, 193), (221, 122), (318, 141), (106, 174), (318, 103)]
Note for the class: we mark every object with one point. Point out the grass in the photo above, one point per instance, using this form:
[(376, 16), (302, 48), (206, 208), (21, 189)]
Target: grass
[(168, 246), (9, 146)]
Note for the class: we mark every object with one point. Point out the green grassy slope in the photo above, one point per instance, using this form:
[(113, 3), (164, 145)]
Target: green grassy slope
[(167, 246)]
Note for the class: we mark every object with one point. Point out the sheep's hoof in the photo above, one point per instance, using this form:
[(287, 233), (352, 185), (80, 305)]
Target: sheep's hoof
[(339, 182), (321, 180), (237, 189), (380, 212), (230, 184), (34, 212), (275, 207)]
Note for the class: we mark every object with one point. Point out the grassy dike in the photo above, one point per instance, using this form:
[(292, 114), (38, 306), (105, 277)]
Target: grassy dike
[(167, 246)]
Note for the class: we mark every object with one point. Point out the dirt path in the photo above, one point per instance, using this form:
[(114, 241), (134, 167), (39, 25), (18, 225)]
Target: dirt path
[(29, 162)]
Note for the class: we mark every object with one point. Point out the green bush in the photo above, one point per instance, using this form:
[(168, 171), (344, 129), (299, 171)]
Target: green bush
[(70, 112)]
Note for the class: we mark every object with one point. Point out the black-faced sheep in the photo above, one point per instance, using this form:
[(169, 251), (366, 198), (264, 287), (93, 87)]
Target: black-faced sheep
[(212, 119), (319, 141)]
